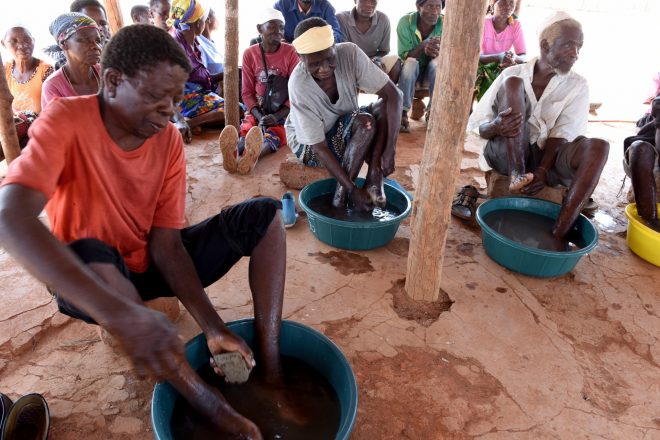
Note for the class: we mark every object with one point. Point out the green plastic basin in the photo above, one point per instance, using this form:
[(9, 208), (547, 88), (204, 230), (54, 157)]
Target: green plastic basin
[(524, 259), (353, 235), (296, 340)]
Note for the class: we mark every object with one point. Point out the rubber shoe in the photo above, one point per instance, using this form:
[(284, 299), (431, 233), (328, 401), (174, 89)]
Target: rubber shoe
[(289, 210), (28, 418)]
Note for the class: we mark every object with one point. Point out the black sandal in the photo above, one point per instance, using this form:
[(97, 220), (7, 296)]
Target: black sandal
[(464, 206)]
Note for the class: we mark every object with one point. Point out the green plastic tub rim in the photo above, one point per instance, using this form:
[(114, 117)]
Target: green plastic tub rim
[(367, 225), (164, 395), (503, 203)]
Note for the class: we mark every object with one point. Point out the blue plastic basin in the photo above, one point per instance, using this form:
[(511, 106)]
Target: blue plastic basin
[(528, 260), (353, 235), (296, 340)]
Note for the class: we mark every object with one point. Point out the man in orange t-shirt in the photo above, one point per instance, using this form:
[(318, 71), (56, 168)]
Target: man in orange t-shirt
[(110, 170)]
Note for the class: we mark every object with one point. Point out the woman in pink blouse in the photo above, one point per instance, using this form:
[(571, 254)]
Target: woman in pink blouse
[(502, 32)]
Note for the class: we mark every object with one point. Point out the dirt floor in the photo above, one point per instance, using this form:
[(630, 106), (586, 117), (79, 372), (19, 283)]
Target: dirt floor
[(512, 358)]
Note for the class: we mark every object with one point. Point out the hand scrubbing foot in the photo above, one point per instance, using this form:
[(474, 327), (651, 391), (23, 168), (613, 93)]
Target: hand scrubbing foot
[(233, 366)]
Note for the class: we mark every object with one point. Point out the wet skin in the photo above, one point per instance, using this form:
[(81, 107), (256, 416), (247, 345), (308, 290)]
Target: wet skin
[(373, 139), (134, 109), (561, 55), (643, 156)]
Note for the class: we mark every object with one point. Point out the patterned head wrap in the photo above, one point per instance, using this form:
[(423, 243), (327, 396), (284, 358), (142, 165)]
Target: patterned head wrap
[(186, 12), (68, 24)]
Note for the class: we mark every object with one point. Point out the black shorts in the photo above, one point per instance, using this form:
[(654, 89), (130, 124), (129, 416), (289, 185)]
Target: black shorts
[(214, 245)]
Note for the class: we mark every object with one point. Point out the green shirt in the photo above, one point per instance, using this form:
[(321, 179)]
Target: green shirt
[(409, 37)]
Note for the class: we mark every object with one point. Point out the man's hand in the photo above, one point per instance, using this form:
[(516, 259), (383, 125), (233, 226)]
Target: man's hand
[(507, 123), (508, 59), (360, 200), (268, 120), (184, 129), (150, 340), (432, 47), (224, 341), (539, 182)]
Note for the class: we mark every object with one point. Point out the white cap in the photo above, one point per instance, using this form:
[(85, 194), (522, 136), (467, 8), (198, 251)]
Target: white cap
[(268, 14), (558, 16)]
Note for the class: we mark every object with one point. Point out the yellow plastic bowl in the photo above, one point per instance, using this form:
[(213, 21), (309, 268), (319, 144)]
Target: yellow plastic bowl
[(642, 240)]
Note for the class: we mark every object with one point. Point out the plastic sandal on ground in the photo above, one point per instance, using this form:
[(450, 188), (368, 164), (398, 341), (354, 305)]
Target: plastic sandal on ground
[(289, 209), (28, 418)]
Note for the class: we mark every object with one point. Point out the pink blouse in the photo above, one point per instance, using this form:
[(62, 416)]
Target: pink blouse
[(512, 35)]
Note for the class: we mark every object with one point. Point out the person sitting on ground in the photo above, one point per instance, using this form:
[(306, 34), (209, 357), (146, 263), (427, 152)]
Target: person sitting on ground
[(140, 14), (79, 44), (641, 162), (113, 185), (201, 103), (501, 32), (295, 11), (653, 92), (326, 127), (532, 121), (159, 11), (210, 54), (94, 10), (370, 30), (418, 35), (25, 75), (262, 131)]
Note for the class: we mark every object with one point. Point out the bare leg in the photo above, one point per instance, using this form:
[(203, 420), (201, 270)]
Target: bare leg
[(514, 98), (588, 163), (267, 275), (206, 400), (395, 72), (642, 161), (363, 130), (374, 181)]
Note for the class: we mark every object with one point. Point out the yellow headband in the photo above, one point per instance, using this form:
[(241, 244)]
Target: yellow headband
[(314, 40)]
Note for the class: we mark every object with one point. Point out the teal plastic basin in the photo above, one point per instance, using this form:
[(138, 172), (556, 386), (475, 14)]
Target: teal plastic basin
[(524, 259), (353, 235), (296, 340)]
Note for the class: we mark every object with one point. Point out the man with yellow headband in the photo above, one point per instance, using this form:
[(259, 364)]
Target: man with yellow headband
[(326, 127)]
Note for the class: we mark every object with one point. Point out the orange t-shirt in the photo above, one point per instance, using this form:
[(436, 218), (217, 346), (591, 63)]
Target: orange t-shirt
[(27, 96), (96, 189)]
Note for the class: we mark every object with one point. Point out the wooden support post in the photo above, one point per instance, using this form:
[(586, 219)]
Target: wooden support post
[(454, 85), (8, 136), (116, 20), (232, 116)]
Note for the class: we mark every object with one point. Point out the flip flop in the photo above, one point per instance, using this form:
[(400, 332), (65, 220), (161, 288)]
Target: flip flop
[(254, 140), (28, 418), (405, 124), (228, 141), (289, 209), (464, 206), (233, 366)]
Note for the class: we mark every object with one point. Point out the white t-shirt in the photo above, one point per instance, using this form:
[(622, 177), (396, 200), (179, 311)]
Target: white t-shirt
[(561, 112), (312, 114)]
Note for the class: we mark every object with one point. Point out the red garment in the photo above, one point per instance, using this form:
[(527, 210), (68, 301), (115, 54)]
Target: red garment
[(281, 62), (96, 189), (277, 130)]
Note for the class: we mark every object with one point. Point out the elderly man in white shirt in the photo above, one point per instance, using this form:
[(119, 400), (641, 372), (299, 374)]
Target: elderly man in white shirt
[(533, 119)]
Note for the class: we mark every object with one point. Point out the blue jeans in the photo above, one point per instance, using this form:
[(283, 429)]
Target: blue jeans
[(412, 76)]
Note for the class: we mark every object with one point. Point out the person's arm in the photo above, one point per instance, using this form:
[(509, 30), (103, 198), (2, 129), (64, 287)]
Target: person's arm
[(519, 46), (174, 263), (393, 103), (491, 58), (550, 151), (506, 124), (147, 336), (407, 41), (249, 83)]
